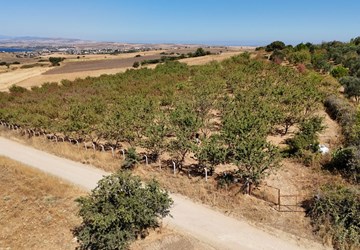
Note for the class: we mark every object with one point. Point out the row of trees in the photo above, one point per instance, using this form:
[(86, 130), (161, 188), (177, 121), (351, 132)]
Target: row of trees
[(230, 107)]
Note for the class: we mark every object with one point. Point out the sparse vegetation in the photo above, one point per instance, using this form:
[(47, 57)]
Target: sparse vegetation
[(136, 65), (335, 213)]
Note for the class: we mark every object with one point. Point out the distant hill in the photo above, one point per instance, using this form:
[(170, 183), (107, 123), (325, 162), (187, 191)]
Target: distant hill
[(33, 41)]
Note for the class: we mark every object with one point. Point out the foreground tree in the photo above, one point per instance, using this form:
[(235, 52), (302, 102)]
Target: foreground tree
[(119, 210)]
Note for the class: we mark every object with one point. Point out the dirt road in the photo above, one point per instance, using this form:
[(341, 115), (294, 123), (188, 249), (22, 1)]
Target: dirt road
[(211, 227)]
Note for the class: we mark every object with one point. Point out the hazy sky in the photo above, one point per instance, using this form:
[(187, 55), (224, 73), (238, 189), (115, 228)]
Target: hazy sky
[(248, 22)]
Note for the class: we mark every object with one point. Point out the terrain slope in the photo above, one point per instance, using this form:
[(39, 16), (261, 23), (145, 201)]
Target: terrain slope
[(201, 222)]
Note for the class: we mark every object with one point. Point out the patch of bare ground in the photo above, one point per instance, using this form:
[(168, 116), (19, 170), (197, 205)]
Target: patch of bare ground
[(165, 238), (71, 67), (331, 136), (37, 211)]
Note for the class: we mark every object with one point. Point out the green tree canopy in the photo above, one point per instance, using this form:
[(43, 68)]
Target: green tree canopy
[(276, 45), (55, 61), (352, 87), (118, 210)]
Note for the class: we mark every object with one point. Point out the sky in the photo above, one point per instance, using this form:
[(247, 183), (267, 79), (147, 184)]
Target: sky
[(213, 22)]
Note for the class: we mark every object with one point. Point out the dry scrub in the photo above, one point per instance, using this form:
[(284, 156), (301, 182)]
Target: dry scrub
[(37, 211)]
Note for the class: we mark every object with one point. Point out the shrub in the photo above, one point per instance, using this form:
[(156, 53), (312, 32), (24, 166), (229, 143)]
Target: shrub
[(277, 56), (55, 61), (17, 89), (346, 161), (302, 56), (131, 160), (301, 68), (352, 87), (344, 113), (305, 142), (119, 210), (276, 45), (136, 65), (339, 71), (335, 215)]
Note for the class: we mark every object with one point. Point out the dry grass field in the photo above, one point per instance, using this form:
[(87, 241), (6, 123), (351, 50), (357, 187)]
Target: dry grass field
[(38, 212)]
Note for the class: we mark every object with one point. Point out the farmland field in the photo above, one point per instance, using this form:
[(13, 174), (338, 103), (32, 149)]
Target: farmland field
[(90, 65)]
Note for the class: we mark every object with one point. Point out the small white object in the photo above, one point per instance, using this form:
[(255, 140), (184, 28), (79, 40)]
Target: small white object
[(146, 160), (323, 149), (174, 166), (206, 174)]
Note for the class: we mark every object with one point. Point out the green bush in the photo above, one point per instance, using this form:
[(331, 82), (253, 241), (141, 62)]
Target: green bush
[(307, 137), (340, 110), (335, 215), (131, 159), (119, 210), (55, 61), (277, 56), (136, 65), (346, 161), (351, 87), (339, 71), (276, 45), (302, 56)]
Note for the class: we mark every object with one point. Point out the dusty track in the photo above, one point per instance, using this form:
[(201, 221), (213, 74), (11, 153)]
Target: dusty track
[(209, 226)]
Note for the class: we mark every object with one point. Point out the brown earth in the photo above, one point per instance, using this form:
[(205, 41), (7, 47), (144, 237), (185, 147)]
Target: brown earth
[(81, 66)]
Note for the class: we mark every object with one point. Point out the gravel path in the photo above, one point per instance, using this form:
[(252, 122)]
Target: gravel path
[(209, 226)]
